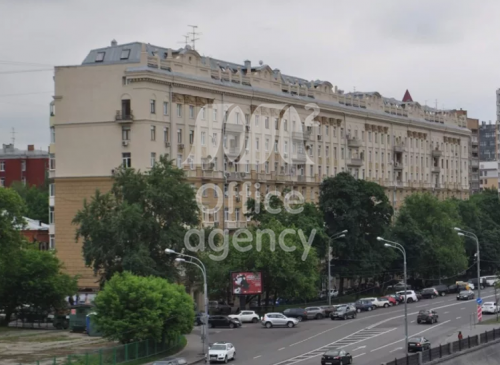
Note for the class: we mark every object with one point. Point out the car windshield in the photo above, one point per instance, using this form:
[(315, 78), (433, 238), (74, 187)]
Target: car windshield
[(382, 299), (489, 304), (333, 353), (415, 339), (464, 292), (428, 290), (340, 307), (218, 347), (423, 311)]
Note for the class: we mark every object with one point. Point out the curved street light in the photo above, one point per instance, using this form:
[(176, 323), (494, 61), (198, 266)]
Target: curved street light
[(332, 237)]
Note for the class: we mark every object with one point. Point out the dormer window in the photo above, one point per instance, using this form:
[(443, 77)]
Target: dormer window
[(100, 56), (125, 54)]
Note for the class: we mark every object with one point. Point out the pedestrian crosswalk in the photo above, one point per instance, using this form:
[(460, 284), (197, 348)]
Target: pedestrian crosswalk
[(354, 338)]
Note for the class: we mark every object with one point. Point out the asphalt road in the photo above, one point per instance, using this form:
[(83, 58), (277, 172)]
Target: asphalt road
[(372, 338)]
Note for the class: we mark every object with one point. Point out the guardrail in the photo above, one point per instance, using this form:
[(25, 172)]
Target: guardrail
[(444, 351)]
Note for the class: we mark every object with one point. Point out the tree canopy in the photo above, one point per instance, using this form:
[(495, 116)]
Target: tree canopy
[(36, 201)]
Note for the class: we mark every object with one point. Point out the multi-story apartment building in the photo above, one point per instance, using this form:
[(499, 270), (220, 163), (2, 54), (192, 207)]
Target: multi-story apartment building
[(488, 175), (243, 127), (28, 166), (487, 142), (473, 125)]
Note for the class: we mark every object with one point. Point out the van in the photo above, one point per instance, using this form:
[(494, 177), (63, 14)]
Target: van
[(489, 280)]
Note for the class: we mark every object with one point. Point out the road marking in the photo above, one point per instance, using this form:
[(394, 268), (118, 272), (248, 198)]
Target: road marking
[(256, 357), (415, 334), (458, 317), (412, 322), (446, 312), (462, 308), (442, 301), (281, 349), (359, 348), (364, 353), (318, 334), (419, 306), (396, 349)]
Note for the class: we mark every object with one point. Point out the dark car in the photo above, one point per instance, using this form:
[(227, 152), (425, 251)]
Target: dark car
[(418, 294), (198, 319), (441, 289), (364, 305), (475, 283), (343, 312), (466, 295), (298, 313), (456, 288), (418, 344), (427, 316), (429, 293), (223, 321), (336, 357), (328, 309)]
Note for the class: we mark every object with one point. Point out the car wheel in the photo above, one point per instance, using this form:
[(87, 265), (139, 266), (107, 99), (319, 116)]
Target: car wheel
[(344, 317), (231, 325), (234, 356), (418, 321), (410, 300), (369, 308), (333, 319), (354, 316), (210, 325), (269, 324), (255, 320), (350, 360), (358, 310), (386, 305), (319, 316), (432, 296), (290, 325), (442, 294), (299, 318), (225, 360)]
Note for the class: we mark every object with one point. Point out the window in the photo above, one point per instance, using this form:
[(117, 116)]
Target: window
[(23, 165), (153, 133), (52, 243), (285, 127), (327, 129), (51, 215), (165, 135), (125, 133), (52, 161), (191, 111), (191, 137), (125, 54), (247, 167), (215, 164), (179, 161), (179, 110), (267, 167), (237, 214), (226, 214), (203, 113), (2, 182), (276, 123), (266, 123), (52, 135), (152, 104), (286, 147), (215, 115), (100, 56), (2, 165), (203, 137), (214, 140), (237, 118), (256, 120), (276, 146), (256, 144), (369, 136), (153, 158), (126, 159), (267, 144), (165, 108), (52, 189)]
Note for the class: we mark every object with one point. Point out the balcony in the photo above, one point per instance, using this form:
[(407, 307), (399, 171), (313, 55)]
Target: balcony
[(52, 174), (210, 174), (263, 177), (235, 225), (399, 148), (233, 152), (356, 162), (437, 152), (234, 176), (124, 117), (235, 128), (436, 169), (299, 158), (474, 163), (353, 142), (301, 136), (398, 166)]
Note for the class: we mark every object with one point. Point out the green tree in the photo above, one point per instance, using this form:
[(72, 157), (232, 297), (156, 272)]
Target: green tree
[(36, 201), (363, 209), (134, 308), (425, 227), (128, 228)]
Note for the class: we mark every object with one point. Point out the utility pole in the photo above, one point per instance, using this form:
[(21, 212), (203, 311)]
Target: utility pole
[(193, 35)]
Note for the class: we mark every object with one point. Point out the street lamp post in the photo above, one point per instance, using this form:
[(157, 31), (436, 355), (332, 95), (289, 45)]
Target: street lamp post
[(201, 266), (332, 237), (400, 247), (474, 237)]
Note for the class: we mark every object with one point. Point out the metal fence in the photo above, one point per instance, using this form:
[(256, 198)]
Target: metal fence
[(114, 355), (446, 350)]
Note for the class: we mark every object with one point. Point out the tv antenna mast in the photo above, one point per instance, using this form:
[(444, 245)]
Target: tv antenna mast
[(194, 34), (13, 136), (186, 41)]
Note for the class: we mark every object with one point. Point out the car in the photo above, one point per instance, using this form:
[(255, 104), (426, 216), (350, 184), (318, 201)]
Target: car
[(336, 357), (364, 305), (392, 300), (457, 288), (419, 295), (441, 289), (299, 313), (328, 309), (489, 280), (383, 302), (418, 344), (427, 316), (411, 296), (246, 316), (377, 303), (223, 321), (221, 352), (466, 295), (490, 307), (429, 293), (398, 298), (278, 320), (333, 293), (471, 285), (171, 361), (315, 312), (344, 312), (399, 286)]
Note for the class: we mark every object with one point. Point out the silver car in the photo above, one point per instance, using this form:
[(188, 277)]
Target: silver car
[(315, 312), (278, 320)]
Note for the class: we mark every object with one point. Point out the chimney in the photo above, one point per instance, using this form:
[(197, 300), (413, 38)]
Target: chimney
[(31, 147), (248, 66), (114, 43)]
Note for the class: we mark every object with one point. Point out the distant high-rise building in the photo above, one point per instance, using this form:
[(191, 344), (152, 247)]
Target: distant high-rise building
[(487, 142)]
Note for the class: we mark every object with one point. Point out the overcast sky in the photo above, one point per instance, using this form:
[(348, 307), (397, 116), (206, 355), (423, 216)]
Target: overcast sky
[(439, 50)]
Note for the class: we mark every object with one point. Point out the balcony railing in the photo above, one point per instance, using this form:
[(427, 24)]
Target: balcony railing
[(234, 128), (436, 169), (353, 142), (398, 166), (355, 162), (436, 152), (399, 147), (124, 117)]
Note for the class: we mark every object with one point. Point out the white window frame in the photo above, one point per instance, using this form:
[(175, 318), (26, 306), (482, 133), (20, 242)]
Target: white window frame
[(191, 112), (165, 108), (153, 159), (179, 110)]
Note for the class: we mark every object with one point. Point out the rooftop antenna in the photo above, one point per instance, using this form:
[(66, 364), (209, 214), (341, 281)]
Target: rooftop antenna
[(193, 35), (186, 41), (13, 136)]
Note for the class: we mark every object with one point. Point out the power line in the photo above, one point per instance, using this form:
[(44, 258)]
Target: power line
[(21, 94), (19, 63), (22, 71)]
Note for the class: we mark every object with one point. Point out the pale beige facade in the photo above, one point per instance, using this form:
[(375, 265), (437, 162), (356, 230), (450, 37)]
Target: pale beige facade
[(281, 132)]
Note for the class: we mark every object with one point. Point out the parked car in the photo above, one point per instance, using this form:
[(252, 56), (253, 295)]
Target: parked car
[(457, 288), (364, 305), (344, 312), (418, 344), (278, 320), (377, 303), (333, 293), (473, 283), (397, 297), (221, 352), (328, 309), (489, 280), (246, 316), (442, 289), (336, 357), (298, 313), (383, 302), (399, 286), (419, 295), (223, 321), (429, 293), (315, 312), (392, 300), (427, 316), (490, 307), (411, 296), (171, 361), (466, 295)]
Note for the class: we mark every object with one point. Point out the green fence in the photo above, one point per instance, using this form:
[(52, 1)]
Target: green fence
[(115, 355)]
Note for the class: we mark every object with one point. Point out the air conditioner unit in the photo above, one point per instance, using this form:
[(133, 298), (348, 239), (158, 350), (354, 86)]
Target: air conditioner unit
[(181, 146), (167, 144), (124, 143)]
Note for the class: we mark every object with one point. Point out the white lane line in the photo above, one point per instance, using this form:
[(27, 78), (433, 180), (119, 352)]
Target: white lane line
[(458, 317), (415, 334), (396, 349), (359, 348), (364, 353), (419, 306), (462, 308), (446, 312), (442, 301), (281, 349), (319, 334), (256, 357), (412, 322)]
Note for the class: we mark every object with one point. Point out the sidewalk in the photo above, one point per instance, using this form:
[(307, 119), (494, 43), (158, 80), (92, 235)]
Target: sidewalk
[(468, 331), (193, 352)]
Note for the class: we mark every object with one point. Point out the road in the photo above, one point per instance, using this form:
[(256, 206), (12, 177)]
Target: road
[(372, 338)]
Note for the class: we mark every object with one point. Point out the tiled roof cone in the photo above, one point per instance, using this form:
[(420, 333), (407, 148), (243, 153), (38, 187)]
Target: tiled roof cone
[(407, 98)]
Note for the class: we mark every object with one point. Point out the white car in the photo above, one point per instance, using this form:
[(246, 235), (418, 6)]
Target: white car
[(411, 296), (333, 293), (471, 286), (246, 316), (221, 352), (490, 307), (489, 280), (379, 303), (279, 320)]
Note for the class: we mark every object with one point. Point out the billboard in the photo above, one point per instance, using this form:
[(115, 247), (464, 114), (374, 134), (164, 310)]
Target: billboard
[(246, 283)]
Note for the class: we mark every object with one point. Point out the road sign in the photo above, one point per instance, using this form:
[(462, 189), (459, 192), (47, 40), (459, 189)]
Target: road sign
[(479, 301), (479, 313)]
